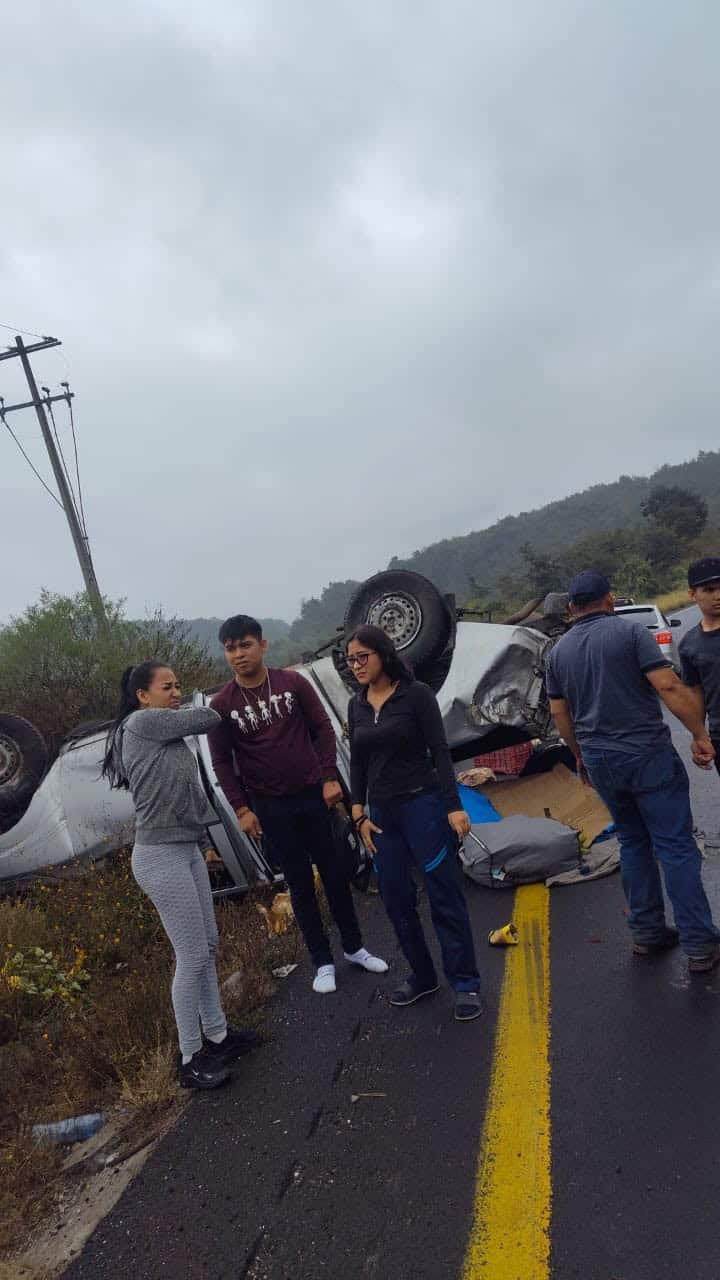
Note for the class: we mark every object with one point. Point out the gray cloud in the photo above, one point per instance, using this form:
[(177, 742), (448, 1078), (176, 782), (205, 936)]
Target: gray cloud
[(334, 280)]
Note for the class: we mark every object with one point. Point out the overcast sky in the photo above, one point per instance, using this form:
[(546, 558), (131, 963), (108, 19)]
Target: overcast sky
[(337, 279)]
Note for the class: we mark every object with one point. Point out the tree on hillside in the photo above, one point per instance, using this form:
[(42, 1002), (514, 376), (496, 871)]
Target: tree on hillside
[(661, 547), (543, 572), (681, 510), (635, 578), (607, 552), (320, 617), (58, 669)]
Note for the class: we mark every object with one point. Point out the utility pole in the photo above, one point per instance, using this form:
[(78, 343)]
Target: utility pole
[(82, 546)]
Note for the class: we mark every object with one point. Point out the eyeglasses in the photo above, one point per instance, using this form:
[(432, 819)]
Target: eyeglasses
[(358, 659)]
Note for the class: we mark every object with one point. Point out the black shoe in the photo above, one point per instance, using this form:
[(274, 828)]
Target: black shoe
[(235, 1045), (410, 991), (198, 1073), (705, 962), (468, 1005), (669, 939)]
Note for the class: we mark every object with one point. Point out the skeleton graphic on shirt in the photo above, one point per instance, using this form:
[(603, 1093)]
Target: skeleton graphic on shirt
[(237, 717), (250, 719)]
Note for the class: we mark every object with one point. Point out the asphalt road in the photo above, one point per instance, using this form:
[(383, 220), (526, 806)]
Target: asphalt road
[(283, 1176)]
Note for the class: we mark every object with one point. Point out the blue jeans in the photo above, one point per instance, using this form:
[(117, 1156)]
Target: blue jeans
[(416, 833), (649, 799)]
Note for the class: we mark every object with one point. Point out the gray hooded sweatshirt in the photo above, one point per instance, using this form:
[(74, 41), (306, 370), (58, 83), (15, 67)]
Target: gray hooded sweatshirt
[(170, 803)]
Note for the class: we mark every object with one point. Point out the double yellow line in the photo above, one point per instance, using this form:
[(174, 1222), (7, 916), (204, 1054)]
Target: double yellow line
[(510, 1235)]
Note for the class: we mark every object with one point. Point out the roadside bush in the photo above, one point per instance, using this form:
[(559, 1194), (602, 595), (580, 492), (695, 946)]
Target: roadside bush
[(59, 669), (65, 1051)]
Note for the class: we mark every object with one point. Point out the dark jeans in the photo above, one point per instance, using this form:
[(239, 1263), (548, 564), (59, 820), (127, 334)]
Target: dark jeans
[(416, 833), (299, 829), (716, 744), (649, 799)]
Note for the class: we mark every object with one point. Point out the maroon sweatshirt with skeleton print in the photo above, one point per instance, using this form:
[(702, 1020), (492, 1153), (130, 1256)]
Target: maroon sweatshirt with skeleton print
[(271, 740)]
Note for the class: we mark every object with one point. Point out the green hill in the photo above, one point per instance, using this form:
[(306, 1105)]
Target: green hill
[(458, 564), (475, 564)]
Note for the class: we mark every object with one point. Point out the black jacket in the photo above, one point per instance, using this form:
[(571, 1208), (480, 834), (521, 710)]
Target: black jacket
[(402, 749)]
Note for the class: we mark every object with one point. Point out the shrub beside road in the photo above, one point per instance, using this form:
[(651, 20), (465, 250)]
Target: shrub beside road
[(85, 1017)]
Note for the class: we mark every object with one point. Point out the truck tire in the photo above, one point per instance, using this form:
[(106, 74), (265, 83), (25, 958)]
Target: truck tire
[(23, 758), (409, 608)]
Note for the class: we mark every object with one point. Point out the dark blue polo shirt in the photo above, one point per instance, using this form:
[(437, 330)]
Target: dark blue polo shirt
[(600, 668)]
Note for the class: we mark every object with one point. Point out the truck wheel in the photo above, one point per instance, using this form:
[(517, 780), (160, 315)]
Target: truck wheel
[(409, 608), (23, 757)]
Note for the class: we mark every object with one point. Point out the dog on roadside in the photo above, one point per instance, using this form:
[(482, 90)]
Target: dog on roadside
[(278, 916)]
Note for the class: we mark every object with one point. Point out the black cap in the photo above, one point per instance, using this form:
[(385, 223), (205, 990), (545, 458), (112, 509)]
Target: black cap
[(591, 584), (703, 571)]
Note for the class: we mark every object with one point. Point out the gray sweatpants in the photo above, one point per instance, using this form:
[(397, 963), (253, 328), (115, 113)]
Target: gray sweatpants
[(176, 881)]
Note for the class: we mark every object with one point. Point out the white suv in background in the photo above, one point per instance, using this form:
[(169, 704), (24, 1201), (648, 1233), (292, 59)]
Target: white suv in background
[(662, 628)]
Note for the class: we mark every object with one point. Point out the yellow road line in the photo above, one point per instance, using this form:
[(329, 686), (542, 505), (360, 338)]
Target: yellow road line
[(510, 1235)]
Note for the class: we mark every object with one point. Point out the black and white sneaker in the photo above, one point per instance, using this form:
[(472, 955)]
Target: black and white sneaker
[(235, 1045), (198, 1073)]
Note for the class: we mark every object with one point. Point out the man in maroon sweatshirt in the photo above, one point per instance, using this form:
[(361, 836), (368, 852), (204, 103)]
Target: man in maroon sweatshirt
[(274, 754)]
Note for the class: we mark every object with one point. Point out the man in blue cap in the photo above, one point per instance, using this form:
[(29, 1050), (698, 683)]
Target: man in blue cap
[(603, 681)]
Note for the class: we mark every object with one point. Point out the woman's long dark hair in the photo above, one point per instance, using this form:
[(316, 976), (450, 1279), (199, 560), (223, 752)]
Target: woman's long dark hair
[(133, 678), (379, 641)]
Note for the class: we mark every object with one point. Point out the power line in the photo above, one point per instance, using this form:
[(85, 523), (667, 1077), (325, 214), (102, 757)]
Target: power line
[(28, 332), (30, 464)]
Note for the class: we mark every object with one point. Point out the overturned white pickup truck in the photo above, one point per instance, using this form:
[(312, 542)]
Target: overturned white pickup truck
[(488, 679)]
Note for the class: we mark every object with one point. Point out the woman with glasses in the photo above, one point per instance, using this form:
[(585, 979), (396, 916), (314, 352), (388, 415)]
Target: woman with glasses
[(401, 768)]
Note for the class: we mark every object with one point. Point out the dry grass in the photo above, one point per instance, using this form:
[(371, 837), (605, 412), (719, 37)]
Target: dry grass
[(674, 600), (114, 1040)]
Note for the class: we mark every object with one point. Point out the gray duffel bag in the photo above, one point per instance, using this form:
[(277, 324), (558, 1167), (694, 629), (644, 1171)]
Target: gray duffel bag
[(519, 850)]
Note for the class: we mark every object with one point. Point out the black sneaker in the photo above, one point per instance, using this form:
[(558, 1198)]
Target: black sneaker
[(669, 939), (468, 1005), (410, 991), (198, 1073), (235, 1045), (705, 962)]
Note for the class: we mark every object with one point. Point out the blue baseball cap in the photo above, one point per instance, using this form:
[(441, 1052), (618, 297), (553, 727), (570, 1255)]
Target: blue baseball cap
[(591, 584)]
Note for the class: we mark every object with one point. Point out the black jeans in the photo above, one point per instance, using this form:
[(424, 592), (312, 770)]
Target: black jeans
[(298, 827)]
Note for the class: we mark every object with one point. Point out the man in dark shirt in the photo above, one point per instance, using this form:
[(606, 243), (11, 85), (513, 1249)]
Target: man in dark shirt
[(700, 648), (603, 681), (275, 749)]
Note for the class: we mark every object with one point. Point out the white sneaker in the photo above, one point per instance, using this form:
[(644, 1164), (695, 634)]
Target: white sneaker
[(373, 964), (325, 979)]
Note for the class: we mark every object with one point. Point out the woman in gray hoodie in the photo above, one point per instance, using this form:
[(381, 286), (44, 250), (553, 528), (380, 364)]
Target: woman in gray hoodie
[(146, 754)]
